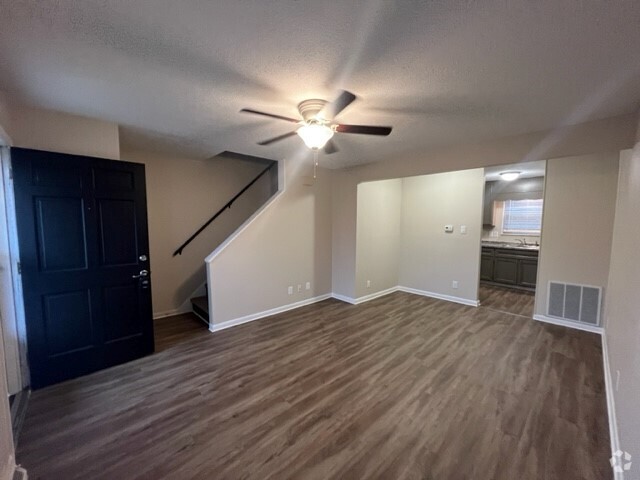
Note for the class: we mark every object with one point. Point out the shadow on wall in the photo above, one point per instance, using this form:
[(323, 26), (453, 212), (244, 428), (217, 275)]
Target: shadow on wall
[(187, 288)]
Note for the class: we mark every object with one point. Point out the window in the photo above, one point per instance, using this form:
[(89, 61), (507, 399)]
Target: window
[(522, 217)]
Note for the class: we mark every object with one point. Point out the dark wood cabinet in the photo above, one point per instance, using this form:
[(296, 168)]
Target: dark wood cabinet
[(528, 272), (486, 267), (505, 270), (509, 267)]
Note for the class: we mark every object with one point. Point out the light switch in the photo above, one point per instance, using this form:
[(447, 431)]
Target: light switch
[(448, 228), (463, 229)]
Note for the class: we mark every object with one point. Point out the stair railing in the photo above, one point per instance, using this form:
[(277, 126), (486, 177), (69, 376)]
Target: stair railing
[(219, 212)]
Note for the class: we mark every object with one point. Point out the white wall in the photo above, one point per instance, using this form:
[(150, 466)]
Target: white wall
[(609, 135), (622, 321), (344, 233), (182, 194), (430, 258), (287, 244), (60, 132), (579, 209), (378, 236)]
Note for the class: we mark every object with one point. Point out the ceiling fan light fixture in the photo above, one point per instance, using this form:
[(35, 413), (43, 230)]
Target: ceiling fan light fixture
[(315, 135), (509, 176)]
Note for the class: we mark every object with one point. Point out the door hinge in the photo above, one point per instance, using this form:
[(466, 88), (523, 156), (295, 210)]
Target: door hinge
[(19, 268)]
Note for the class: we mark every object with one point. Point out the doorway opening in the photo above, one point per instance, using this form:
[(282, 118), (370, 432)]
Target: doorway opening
[(511, 237)]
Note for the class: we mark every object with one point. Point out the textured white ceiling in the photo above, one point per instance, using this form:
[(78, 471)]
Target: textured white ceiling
[(175, 74)]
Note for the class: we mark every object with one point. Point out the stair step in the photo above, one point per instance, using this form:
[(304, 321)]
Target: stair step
[(200, 306)]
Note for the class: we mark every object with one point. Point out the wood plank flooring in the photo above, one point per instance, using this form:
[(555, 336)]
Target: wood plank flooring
[(507, 300), (401, 387), (172, 331)]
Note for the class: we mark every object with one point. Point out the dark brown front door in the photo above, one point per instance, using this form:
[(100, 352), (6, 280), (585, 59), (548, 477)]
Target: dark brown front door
[(84, 251)]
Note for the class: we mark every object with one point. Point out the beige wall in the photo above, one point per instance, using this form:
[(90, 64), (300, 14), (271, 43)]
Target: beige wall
[(378, 236), (343, 242), (60, 132), (182, 194), (289, 243), (609, 135), (430, 258), (5, 121), (622, 320), (579, 209), (7, 455)]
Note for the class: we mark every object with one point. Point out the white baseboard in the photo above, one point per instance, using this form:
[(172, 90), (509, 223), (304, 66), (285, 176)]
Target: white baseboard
[(170, 313), (214, 327), (440, 296), (566, 323), (611, 406), (344, 298), (365, 298), (424, 293)]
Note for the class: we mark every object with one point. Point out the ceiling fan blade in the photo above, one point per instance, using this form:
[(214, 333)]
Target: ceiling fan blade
[(271, 115), (364, 129), (330, 147), (277, 139), (331, 110)]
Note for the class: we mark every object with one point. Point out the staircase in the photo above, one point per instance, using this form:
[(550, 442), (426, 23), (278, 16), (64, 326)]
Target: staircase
[(200, 306)]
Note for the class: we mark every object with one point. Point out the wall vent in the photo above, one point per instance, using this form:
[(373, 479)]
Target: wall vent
[(576, 303)]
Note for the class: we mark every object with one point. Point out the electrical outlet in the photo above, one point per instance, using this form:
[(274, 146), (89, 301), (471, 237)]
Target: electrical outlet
[(368, 283), (454, 284), (290, 290), (308, 286)]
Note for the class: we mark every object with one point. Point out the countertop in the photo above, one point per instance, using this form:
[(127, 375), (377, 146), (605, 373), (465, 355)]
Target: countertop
[(512, 245)]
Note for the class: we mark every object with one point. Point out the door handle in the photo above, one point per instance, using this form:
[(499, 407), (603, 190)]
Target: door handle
[(143, 273)]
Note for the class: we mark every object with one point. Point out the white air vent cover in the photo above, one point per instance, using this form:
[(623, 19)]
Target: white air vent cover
[(577, 303)]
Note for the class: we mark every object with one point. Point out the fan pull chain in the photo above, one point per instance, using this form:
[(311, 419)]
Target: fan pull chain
[(315, 163)]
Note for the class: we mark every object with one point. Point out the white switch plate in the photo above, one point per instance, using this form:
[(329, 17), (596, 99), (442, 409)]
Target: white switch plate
[(308, 286), (463, 229), (368, 283), (454, 284), (290, 290), (448, 228)]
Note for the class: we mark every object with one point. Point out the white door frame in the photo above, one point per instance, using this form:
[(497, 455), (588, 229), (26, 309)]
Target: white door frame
[(11, 304)]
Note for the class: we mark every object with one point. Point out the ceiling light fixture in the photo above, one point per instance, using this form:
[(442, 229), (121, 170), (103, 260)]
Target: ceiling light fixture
[(509, 176), (315, 135)]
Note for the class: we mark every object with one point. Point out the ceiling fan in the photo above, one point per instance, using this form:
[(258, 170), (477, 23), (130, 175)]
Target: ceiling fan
[(318, 126)]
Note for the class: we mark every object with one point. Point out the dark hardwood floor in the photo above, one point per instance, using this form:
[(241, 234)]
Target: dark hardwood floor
[(172, 331), (401, 387), (507, 300)]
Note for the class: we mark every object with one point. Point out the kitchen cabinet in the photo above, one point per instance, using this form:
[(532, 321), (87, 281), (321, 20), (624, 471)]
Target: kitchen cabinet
[(487, 212), (505, 270), (486, 267), (528, 272), (511, 267)]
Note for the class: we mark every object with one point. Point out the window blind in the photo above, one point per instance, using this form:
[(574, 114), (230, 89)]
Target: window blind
[(522, 216)]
